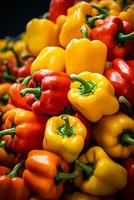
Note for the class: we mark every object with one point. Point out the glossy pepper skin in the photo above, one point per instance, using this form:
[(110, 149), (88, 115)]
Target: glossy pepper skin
[(65, 135), (42, 174), (128, 14), (37, 37), (115, 34), (121, 75), (47, 98), (14, 91), (26, 128), (92, 95), (59, 7), (52, 58), (80, 196), (99, 175), (115, 134), (76, 17), (4, 96), (128, 191), (81, 50), (13, 187), (25, 70)]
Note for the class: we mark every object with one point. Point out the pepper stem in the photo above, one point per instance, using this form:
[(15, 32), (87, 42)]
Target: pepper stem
[(16, 56), (91, 20), (124, 37), (65, 176), (10, 131), (15, 170), (67, 124), (65, 129), (84, 31), (2, 144), (26, 81), (8, 76), (126, 139), (100, 10), (35, 91), (88, 169), (124, 100)]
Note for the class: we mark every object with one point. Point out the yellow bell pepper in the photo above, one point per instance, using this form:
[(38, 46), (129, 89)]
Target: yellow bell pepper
[(76, 17), (99, 175), (50, 58), (128, 15), (92, 95), (85, 55), (3, 43), (80, 196), (20, 48), (107, 7), (4, 96), (39, 34), (116, 135), (65, 136)]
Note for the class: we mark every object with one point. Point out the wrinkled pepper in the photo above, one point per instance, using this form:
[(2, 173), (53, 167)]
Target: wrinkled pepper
[(13, 187), (37, 37), (121, 75), (52, 58), (45, 172), (80, 196), (76, 17), (128, 14), (83, 51), (43, 94), (99, 175), (4, 96), (26, 129), (92, 95), (65, 135), (115, 34), (115, 134)]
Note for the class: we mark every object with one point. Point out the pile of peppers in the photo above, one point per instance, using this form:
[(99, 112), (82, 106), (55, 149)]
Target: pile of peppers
[(67, 104)]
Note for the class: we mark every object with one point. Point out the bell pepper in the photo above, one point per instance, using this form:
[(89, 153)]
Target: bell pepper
[(4, 170), (115, 34), (81, 50), (80, 196), (37, 37), (88, 126), (43, 94), (92, 95), (20, 48), (13, 187), (121, 75), (26, 129), (25, 69), (15, 98), (45, 172), (64, 135), (115, 134), (4, 96), (98, 174), (109, 7), (52, 58), (59, 7), (128, 191), (76, 17), (128, 14)]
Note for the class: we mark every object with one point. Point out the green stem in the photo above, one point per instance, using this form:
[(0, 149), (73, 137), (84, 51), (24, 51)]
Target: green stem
[(2, 144), (8, 76), (124, 100), (15, 170), (126, 139), (104, 11), (65, 176), (65, 129), (84, 31), (91, 20), (35, 91), (26, 81), (124, 37), (4, 98), (87, 169), (10, 131), (45, 15)]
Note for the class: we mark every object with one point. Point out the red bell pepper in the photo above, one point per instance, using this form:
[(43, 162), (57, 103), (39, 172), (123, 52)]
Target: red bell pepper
[(117, 35), (11, 186), (26, 129), (59, 7), (128, 191), (15, 98), (47, 92), (25, 69), (121, 75)]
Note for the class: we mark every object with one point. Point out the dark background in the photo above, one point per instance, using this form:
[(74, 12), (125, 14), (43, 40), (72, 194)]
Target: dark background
[(15, 14)]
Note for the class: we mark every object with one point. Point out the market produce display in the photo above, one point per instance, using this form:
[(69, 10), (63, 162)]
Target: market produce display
[(67, 104)]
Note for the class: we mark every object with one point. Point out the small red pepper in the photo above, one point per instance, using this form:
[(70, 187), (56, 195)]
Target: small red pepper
[(116, 34), (47, 92)]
